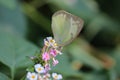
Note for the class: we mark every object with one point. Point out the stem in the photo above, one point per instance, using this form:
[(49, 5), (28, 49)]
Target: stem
[(43, 49)]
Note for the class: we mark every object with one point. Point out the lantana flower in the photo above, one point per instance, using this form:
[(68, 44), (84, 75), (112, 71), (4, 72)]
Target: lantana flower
[(39, 68), (46, 76), (53, 52), (59, 52), (57, 76), (47, 67), (52, 42), (46, 43), (31, 76), (40, 77), (45, 56), (55, 62), (55, 45)]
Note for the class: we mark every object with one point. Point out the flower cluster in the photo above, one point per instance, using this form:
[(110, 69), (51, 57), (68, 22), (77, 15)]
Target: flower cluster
[(48, 54), (40, 74), (50, 51)]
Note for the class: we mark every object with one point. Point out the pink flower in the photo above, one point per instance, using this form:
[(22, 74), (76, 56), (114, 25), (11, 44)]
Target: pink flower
[(55, 62), (45, 56), (53, 52), (46, 77), (47, 67)]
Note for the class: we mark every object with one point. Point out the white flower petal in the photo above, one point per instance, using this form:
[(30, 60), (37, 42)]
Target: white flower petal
[(37, 65), (49, 38), (28, 74), (54, 74), (31, 76), (39, 68), (59, 76)]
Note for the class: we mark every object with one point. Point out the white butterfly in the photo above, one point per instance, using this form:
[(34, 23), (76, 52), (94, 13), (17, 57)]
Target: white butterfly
[(65, 27)]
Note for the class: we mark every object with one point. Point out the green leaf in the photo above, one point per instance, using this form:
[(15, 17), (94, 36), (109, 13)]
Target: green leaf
[(37, 17), (8, 3), (102, 23), (78, 52), (86, 9), (3, 77), (95, 76), (112, 74), (13, 52), (30, 69), (13, 20), (116, 55)]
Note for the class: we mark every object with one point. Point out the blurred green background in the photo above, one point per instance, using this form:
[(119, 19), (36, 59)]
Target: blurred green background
[(94, 55)]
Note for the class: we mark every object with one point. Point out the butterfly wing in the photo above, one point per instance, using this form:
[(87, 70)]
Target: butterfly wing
[(65, 27)]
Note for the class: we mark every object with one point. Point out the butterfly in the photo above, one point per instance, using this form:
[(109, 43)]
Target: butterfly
[(65, 27)]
